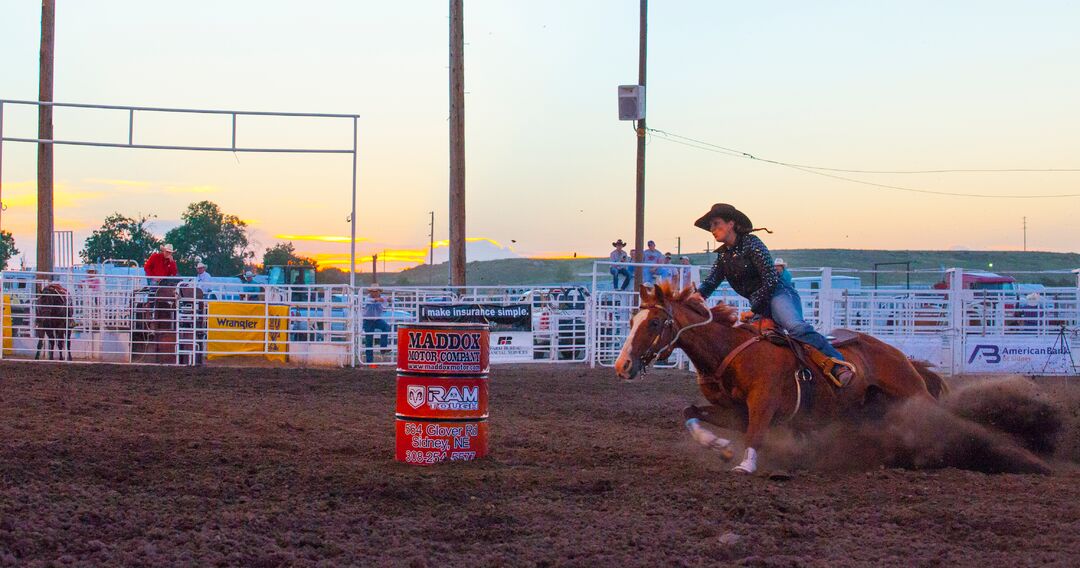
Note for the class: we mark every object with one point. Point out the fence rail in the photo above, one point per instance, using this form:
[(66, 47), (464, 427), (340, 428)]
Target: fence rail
[(123, 318)]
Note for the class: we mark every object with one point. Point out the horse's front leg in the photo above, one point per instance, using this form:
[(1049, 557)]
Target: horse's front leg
[(727, 416), (762, 407)]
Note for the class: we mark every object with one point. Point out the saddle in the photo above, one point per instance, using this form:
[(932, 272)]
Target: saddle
[(767, 330)]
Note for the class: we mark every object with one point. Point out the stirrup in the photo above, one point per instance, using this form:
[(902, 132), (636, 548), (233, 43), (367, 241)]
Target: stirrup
[(831, 364)]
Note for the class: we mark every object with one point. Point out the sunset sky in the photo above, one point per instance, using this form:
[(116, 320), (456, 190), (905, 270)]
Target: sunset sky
[(550, 170)]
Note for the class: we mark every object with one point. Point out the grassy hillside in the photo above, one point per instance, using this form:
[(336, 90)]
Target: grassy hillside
[(529, 271)]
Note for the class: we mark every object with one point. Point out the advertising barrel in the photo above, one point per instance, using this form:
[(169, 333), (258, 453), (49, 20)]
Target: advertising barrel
[(442, 392)]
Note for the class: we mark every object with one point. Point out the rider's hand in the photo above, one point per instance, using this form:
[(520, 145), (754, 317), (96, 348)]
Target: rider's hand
[(747, 316)]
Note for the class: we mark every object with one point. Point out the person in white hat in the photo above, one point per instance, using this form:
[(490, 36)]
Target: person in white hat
[(202, 277), (782, 271), (1030, 310), (161, 265)]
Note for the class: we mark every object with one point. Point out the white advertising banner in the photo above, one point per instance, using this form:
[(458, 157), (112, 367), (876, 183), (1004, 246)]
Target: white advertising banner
[(1028, 355), (511, 326)]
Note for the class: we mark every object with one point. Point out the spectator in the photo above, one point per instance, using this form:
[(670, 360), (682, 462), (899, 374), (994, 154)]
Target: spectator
[(785, 277), (782, 271), (91, 293), (665, 271), (681, 275), (373, 321), (250, 292), (619, 258), (1030, 310), (93, 281), (161, 265), (202, 278), (650, 256)]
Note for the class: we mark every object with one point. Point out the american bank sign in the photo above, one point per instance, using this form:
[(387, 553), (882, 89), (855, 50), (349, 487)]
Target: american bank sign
[(1019, 354), (994, 354)]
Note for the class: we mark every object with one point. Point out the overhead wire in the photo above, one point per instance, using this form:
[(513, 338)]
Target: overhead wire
[(821, 170)]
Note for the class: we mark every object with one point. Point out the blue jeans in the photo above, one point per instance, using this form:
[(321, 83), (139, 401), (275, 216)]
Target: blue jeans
[(370, 327), (785, 308), (615, 272)]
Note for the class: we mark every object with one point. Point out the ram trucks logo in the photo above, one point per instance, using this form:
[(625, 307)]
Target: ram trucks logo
[(416, 396)]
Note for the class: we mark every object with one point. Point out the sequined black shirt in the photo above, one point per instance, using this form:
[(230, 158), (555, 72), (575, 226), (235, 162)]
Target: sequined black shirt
[(748, 266)]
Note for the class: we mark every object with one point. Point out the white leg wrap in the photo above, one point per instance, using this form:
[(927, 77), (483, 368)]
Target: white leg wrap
[(708, 439), (749, 463)]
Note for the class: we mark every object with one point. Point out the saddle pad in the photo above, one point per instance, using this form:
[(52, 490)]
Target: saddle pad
[(841, 337)]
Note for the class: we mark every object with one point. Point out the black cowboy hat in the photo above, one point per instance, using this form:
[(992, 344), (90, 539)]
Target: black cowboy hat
[(728, 213), (618, 243)]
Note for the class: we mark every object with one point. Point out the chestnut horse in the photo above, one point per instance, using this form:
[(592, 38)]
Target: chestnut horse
[(52, 321), (169, 325), (763, 383), (154, 335)]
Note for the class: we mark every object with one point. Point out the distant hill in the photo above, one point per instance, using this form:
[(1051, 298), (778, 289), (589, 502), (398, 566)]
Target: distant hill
[(523, 271)]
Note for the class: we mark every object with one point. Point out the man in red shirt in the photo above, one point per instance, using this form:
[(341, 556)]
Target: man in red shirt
[(160, 265)]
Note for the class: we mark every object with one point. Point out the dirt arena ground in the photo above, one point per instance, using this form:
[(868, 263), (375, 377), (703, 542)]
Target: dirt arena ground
[(104, 465)]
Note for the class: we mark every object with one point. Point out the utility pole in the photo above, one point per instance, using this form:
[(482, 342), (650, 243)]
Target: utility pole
[(1025, 234), (678, 246), (457, 143), (639, 224), (374, 268), (45, 132)]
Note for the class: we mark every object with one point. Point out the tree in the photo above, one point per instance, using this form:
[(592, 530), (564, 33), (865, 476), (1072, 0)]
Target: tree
[(284, 253), (218, 239), (120, 237), (7, 248)]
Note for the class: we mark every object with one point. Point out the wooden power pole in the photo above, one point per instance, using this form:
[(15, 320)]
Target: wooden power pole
[(45, 132), (457, 144), (639, 225)]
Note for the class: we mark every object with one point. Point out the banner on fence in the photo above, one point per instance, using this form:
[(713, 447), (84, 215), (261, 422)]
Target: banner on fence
[(1032, 355), (511, 326), (237, 328), (6, 325)]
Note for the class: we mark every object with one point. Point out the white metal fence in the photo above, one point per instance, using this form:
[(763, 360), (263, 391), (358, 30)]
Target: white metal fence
[(123, 319)]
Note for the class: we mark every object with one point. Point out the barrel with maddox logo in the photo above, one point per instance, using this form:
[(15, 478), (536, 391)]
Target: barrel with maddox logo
[(442, 393), (443, 348)]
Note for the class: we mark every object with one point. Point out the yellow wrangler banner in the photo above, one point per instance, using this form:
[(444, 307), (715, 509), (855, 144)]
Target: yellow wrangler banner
[(237, 328), (5, 327)]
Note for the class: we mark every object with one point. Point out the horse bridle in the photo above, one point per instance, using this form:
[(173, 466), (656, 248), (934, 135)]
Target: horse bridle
[(651, 353)]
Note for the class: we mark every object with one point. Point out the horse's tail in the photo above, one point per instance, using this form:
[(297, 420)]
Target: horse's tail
[(934, 382)]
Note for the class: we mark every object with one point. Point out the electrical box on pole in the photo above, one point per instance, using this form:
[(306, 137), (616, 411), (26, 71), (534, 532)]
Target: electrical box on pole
[(631, 102)]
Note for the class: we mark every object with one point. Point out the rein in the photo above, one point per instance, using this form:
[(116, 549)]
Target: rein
[(652, 352)]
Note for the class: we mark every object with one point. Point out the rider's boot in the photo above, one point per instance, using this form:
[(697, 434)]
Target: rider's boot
[(844, 372)]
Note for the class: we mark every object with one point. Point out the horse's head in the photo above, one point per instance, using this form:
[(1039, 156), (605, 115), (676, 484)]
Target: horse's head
[(655, 328), (163, 303)]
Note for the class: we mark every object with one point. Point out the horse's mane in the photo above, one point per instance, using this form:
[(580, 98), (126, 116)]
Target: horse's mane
[(665, 292), (54, 288)]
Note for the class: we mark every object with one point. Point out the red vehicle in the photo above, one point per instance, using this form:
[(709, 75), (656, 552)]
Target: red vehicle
[(982, 281)]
